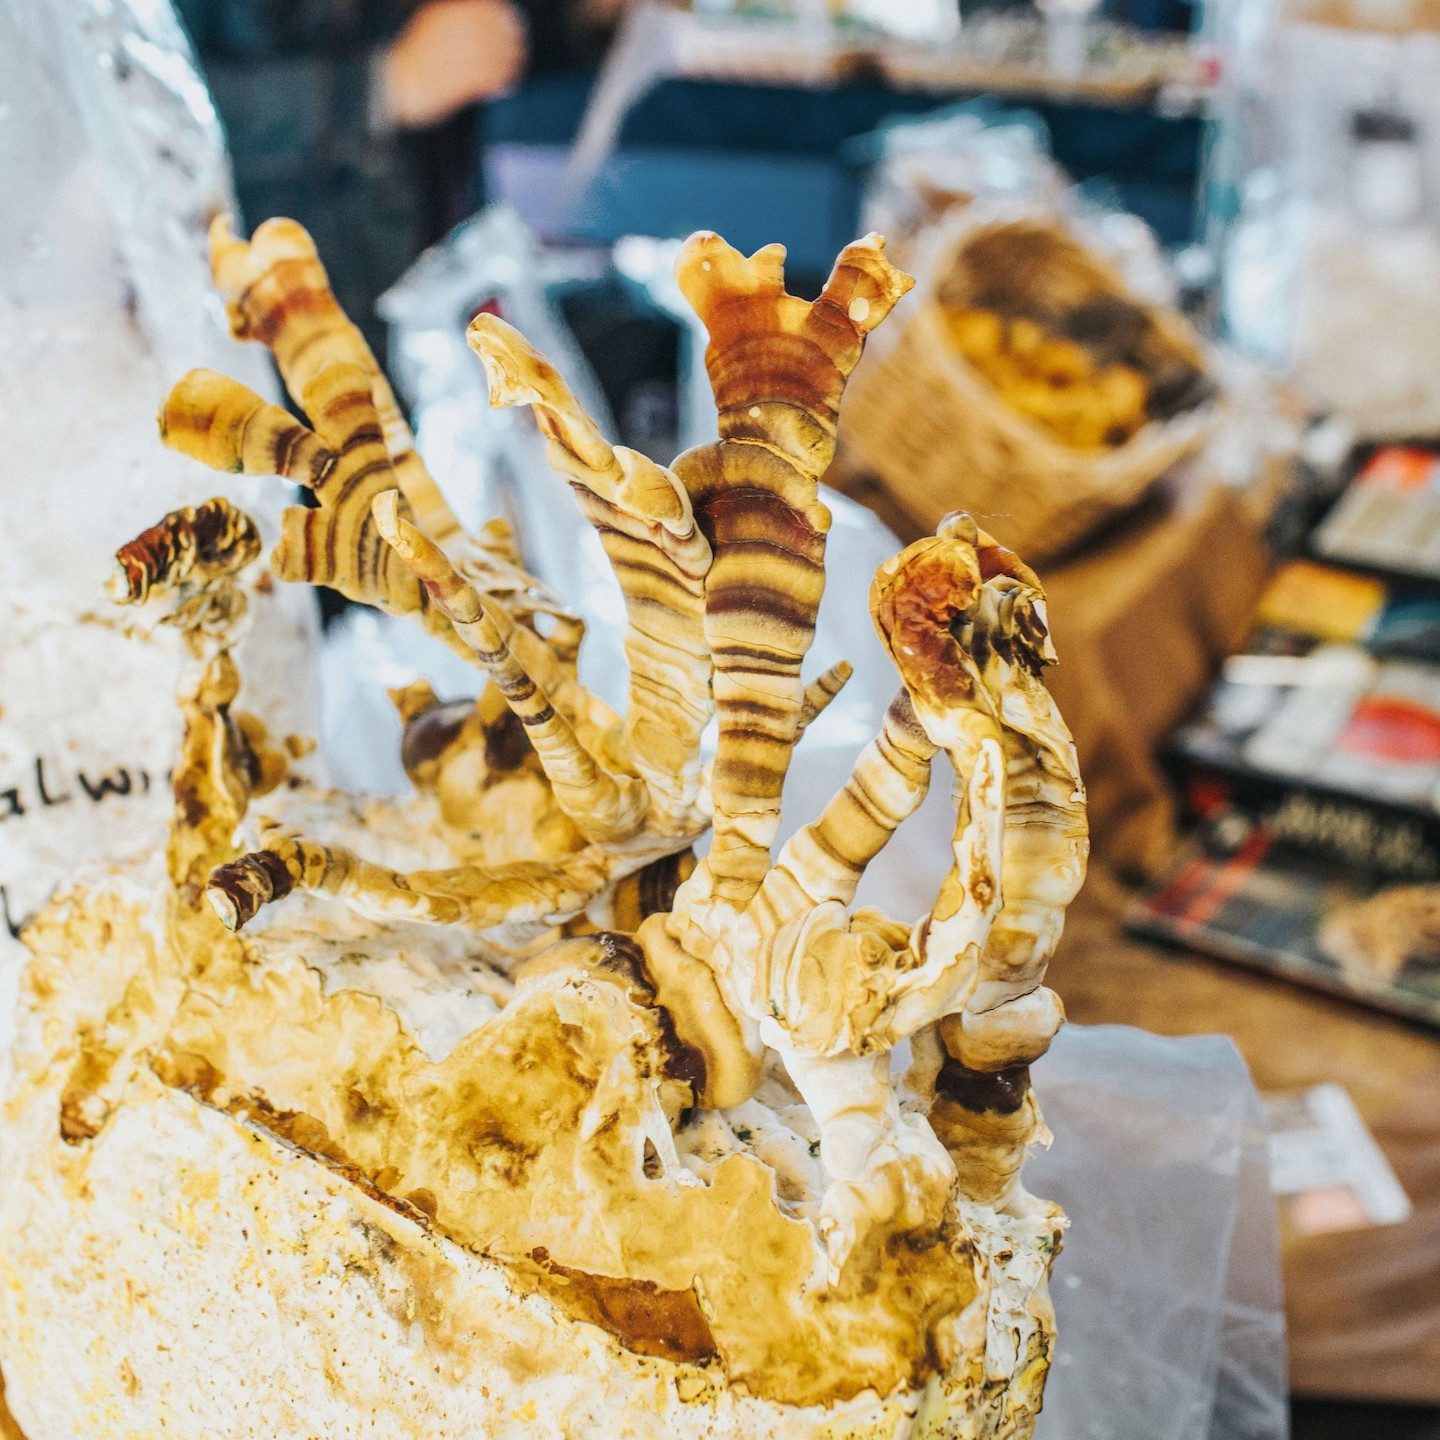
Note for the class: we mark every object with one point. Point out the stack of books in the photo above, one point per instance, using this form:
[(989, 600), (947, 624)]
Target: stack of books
[(1314, 762)]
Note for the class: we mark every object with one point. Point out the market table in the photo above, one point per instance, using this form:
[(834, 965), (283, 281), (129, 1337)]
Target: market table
[(1363, 1306)]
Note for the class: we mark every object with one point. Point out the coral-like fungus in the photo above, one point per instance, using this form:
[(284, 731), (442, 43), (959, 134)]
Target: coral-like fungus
[(721, 563), (674, 1111)]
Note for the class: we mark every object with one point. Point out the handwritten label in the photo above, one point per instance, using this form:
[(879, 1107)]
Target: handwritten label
[(42, 791), (39, 786)]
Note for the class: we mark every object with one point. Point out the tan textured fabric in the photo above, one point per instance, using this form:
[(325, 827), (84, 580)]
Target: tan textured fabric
[(1143, 618)]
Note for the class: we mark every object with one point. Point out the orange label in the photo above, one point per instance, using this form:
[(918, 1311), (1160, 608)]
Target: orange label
[(1399, 467), (1317, 600)]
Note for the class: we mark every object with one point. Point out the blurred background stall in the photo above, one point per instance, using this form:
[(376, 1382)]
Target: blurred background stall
[(1172, 337), (1174, 267)]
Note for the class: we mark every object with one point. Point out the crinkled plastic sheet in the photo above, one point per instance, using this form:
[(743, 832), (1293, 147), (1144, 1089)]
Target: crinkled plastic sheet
[(111, 165), (114, 162), (979, 150), (1168, 1290), (981, 161), (1167, 1293)]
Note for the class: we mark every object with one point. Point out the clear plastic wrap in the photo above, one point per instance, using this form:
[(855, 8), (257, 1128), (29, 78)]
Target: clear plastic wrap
[(924, 167), (1167, 1294), (111, 162), (1323, 207)]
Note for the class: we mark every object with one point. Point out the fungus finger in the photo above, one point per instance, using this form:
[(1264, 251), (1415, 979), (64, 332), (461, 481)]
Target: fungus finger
[(1017, 1032), (822, 690), (277, 292), (647, 528), (337, 544), (1046, 847), (777, 365), (477, 898), (601, 805), (1046, 833), (825, 859), (226, 426), (194, 545), (882, 1168)]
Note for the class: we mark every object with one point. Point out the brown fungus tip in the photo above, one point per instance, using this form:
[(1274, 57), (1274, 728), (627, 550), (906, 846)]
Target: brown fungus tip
[(386, 510), (237, 891), (197, 544)]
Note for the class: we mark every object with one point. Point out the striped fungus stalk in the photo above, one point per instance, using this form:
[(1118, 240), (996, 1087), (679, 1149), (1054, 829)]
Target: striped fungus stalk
[(356, 446), (720, 559), (183, 573)]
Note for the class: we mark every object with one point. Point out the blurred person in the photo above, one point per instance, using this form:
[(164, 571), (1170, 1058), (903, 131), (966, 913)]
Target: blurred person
[(356, 118)]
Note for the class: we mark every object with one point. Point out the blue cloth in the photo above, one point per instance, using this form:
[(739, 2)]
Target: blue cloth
[(753, 159)]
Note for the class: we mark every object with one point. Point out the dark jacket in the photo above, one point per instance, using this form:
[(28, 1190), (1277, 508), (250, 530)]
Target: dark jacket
[(292, 81)]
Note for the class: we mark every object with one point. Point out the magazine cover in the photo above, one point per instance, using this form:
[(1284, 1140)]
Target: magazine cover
[(1388, 518)]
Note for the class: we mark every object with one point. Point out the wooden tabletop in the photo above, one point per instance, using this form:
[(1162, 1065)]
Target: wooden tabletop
[(1363, 1306)]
